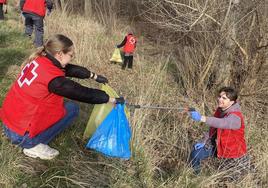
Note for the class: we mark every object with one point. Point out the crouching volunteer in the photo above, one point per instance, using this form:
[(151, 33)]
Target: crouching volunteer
[(226, 137), (34, 112)]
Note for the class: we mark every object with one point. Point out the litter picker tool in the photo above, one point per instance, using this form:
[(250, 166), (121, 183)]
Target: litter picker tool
[(157, 107)]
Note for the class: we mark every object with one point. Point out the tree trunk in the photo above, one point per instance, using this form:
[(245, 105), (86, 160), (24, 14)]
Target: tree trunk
[(226, 52)]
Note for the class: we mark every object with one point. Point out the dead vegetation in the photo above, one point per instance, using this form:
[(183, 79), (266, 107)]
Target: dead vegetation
[(186, 51)]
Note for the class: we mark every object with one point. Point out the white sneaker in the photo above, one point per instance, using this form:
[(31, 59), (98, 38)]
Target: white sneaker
[(42, 151)]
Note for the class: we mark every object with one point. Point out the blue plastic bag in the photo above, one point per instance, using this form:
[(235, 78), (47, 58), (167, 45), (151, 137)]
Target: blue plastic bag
[(112, 137)]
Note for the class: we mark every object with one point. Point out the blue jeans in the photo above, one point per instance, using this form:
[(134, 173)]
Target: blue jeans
[(198, 155), (72, 111)]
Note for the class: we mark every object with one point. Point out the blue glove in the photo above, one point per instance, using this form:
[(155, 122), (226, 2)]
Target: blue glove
[(199, 145), (196, 116)]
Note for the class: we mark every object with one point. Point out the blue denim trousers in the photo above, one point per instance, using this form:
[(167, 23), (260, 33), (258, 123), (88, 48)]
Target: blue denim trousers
[(72, 111), (198, 155)]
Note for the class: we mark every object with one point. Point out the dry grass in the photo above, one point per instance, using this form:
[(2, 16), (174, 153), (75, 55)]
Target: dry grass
[(161, 139), (10, 160)]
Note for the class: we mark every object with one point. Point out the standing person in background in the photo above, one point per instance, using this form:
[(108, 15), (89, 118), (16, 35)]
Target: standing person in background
[(34, 12), (2, 2), (129, 44), (33, 111), (226, 137)]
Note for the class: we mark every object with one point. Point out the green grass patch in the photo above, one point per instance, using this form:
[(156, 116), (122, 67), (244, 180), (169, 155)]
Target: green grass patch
[(14, 48)]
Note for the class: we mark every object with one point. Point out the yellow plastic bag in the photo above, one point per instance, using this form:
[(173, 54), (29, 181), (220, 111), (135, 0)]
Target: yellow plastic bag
[(100, 111), (116, 57)]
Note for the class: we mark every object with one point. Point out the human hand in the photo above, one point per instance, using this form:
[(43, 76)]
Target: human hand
[(196, 116), (199, 145), (120, 100), (101, 79)]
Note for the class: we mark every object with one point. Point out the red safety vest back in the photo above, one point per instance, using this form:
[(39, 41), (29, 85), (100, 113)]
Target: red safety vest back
[(35, 6), (3, 1), (130, 44), (230, 143), (29, 106)]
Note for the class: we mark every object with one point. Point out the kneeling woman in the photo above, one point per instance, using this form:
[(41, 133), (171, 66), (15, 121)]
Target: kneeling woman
[(226, 137), (34, 111)]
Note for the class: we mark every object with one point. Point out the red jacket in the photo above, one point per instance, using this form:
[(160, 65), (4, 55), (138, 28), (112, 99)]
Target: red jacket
[(29, 106), (130, 44), (230, 143), (35, 6), (3, 1)]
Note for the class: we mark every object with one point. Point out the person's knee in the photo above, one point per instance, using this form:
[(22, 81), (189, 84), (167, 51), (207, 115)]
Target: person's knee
[(195, 154), (40, 30), (28, 24), (75, 108), (72, 108), (39, 26)]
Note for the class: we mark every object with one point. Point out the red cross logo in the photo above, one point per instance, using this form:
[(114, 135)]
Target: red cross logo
[(28, 74), (132, 40)]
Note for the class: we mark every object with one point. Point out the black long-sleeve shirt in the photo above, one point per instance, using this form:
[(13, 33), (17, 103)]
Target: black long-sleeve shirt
[(70, 89), (122, 43)]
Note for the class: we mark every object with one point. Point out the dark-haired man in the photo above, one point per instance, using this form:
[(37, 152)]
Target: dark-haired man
[(226, 137)]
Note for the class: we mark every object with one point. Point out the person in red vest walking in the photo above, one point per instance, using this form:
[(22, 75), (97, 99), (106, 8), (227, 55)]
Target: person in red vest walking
[(33, 111), (34, 12), (129, 44), (2, 2), (226, 137)]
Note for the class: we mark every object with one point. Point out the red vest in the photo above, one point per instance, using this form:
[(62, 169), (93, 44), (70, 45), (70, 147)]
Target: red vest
[(3, 1), (130, 44), (230, 143), (29, 106), (35, 6)]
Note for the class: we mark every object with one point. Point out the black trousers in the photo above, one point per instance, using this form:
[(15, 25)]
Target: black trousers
[(1, 11), (128, 61)]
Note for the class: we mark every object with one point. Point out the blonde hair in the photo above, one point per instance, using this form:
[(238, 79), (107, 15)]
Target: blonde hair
[(56, 43)]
